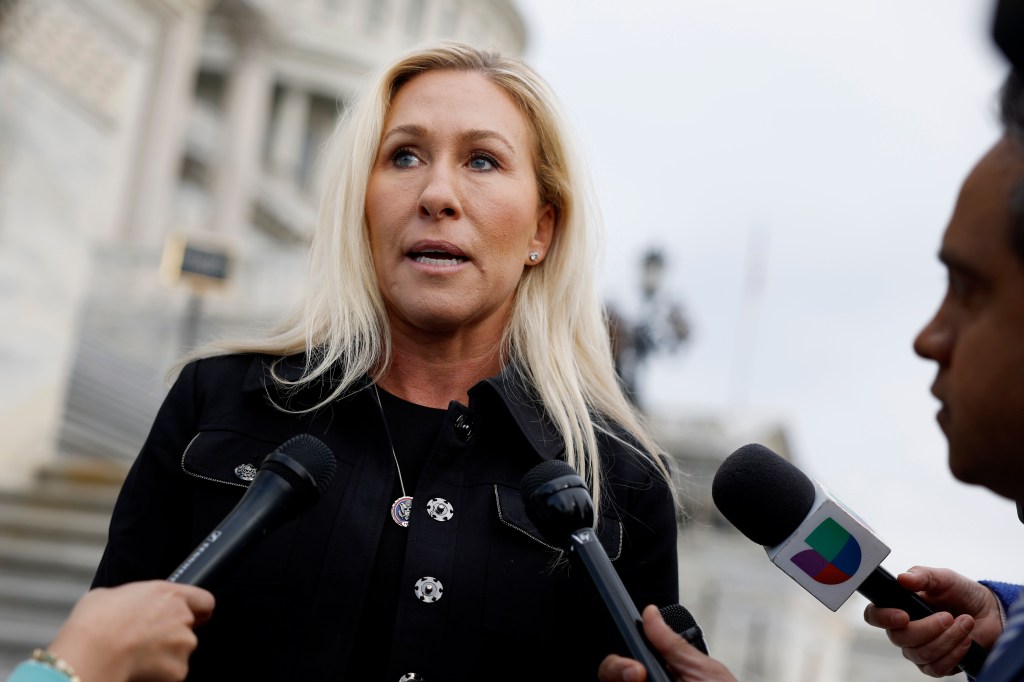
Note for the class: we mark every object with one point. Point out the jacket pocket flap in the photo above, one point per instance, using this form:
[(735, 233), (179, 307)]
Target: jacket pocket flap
[(512, 513), (225, 457)]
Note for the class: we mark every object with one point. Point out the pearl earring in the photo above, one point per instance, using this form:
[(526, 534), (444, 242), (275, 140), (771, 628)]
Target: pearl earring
[(534, 256)]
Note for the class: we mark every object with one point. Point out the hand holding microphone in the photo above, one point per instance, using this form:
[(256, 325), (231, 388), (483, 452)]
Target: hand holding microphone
[(674, 634), (139, 630), (937, 643), (812, 537), (559, 504), (679, 618)]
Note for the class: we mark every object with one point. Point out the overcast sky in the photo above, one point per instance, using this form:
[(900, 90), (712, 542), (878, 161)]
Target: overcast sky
[(830, 139)]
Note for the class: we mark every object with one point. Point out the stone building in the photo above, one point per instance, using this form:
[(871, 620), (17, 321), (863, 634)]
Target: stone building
[(133, 129)]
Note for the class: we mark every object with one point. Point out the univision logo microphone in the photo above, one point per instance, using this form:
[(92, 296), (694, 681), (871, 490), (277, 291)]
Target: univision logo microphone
[(831, 552), (834, 554)]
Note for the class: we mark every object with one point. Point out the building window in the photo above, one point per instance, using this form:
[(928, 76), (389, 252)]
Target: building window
[(210, 88), (323, 115)]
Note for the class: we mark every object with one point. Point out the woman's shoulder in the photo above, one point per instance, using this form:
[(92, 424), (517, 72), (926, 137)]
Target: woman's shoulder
[(628, 465), (233, 372), (234, 364), (622, 446)]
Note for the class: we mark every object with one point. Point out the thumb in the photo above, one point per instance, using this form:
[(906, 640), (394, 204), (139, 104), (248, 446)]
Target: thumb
[(921, 579), (676, 651)]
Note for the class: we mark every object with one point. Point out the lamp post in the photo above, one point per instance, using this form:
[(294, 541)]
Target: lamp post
[(658, 325)]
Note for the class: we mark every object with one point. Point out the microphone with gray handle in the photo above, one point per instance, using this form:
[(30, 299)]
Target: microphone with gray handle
[(559, 504)]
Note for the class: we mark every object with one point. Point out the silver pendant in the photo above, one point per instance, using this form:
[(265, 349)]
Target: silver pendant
[(401, 510)]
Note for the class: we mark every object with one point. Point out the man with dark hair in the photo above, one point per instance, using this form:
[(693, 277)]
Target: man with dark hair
[(977, 340), (1012, 115)]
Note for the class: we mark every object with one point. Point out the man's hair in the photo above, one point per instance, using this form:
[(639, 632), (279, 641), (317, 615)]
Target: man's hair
[(1012, 115)]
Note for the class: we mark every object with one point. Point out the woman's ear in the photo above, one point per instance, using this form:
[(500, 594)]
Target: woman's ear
[(540, 242)]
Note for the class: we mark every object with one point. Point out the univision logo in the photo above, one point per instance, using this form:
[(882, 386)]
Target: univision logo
[(834, 556)]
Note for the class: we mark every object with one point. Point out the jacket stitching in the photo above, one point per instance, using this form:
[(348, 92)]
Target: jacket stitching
[(205, 478), (525, 532), (497, 500)]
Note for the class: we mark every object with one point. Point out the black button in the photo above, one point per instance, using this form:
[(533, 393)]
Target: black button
[(463, 429)]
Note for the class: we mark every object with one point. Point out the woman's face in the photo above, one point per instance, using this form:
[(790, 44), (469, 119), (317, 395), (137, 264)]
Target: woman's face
[(452, 205)]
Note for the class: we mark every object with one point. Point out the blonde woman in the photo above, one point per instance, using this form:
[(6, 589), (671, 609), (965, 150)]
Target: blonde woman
[(450, 340)]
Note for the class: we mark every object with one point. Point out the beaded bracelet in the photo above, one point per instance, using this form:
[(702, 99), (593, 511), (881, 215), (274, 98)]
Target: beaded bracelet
[(47, 657)]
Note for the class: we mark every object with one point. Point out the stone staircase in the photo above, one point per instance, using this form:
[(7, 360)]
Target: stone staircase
[(52, 533), (51, 539)]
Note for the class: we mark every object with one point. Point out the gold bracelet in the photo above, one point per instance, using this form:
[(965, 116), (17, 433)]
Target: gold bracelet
[(47, 657)]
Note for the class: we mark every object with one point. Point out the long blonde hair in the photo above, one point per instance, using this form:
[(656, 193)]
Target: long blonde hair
[(556, 341)]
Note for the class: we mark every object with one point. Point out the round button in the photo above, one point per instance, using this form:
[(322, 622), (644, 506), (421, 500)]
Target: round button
[(412, 677), (463, 429), (440, 509), (428, 590), (246, 472)]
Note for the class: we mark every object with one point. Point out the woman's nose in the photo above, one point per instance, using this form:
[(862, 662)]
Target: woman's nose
[(440, 197)]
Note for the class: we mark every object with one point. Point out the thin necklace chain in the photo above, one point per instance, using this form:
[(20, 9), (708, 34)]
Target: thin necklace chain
[(387, 432)]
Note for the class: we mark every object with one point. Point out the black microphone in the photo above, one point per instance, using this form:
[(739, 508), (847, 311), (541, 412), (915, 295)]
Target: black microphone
[(290, 480), (559, 504), (679, 618), (812, 537)]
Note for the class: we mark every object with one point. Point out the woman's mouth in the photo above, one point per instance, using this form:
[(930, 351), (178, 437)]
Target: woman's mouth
[(438, 258)]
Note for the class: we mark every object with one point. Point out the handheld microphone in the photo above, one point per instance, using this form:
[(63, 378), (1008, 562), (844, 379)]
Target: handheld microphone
[(290, 480), (812, 536), (559, 504), (679, 618)]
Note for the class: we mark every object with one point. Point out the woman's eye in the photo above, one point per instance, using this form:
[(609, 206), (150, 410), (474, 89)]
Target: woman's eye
[(482, 162), (404, 158)]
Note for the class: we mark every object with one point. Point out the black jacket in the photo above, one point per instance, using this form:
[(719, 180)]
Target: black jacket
[(512, 608)]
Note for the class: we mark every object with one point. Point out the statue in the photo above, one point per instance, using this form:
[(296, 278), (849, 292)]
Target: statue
[(658, 325)]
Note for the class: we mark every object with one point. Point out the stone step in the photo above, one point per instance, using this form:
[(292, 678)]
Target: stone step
[(86, 470), (21, 632), (40, 522), (52, 596), (51, 539), (69, 559), (61, 494)]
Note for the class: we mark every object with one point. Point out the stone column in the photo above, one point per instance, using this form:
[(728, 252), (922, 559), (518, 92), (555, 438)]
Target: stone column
[(286, 144), (247, 109), (158, 160)]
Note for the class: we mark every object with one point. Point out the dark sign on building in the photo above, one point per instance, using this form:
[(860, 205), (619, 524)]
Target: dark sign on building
[(202, 262)]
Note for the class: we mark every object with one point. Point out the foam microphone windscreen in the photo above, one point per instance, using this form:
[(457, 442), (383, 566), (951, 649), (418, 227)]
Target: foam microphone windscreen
[(679, 618), (543, 473), (305, 461), (764, 496)]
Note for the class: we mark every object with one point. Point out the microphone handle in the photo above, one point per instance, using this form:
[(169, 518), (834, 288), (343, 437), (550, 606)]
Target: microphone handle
[(881, 589), (585, 545), (256, 514)]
